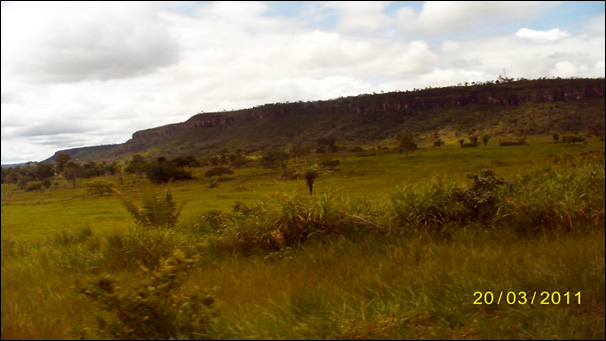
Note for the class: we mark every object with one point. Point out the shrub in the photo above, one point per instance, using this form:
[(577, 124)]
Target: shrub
[(573, 139), (272, 158), (162, 172), (557, 196), (99, 187), (33, 186), (155, 308), (218, 171), (482, 198), (330, 163), (427, 207), (46, 183), (22, 182), (159, 209), (292, 221), (520, 142)]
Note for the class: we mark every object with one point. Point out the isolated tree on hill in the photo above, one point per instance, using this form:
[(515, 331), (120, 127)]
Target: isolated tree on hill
[(438, 143), (218, 171)]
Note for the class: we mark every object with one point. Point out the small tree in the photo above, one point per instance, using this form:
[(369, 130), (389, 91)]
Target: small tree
[(61, 160), (158, 307), (406, 143), (162, 171), (311, 174), (71, 171), (473, 139), (218, 171), (556, 138), (485, 139), (99, 187), (438, 143), (327, 145), (158, 209)]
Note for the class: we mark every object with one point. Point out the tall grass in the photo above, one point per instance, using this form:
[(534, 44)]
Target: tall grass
[(333, 267)]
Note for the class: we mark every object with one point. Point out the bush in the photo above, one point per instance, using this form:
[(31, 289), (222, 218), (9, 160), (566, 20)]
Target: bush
[(520, 142), (558, 196), (272, 158), (218, 171), (482, 198), (163, 172), (159, 209), (573, 139), (330, 163), (292, 221), (33, 186), (427, 207), (99, 187), (155, 308)]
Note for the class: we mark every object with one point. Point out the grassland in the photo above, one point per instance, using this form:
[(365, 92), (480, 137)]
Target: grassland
[(376, 276)]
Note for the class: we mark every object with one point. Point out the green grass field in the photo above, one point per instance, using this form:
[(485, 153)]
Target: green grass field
[(369, 269)]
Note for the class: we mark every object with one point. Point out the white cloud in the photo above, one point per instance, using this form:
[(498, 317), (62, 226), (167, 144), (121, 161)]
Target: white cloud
[(448, 17), (551, 35), (74, 41), (107, 71), (360, 15)]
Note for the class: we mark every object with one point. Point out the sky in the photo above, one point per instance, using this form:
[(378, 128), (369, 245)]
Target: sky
[(80, 74)]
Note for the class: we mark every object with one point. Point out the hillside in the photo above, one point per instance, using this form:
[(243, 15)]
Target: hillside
[(526, 107)]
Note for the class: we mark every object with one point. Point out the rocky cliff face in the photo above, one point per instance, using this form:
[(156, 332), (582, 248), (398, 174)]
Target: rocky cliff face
[(380, 113), (392, 104)]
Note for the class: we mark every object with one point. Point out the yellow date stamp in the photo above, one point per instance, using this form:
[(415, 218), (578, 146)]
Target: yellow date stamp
[(523, 297)]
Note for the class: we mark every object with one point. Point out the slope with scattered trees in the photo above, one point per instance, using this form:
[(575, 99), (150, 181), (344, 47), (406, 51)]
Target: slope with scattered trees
[(523, 107)]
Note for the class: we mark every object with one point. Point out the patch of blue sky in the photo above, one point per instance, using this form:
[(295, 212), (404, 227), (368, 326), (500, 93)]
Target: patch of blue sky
[(569, 16)]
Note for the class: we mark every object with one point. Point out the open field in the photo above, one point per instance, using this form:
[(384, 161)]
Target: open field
[(375, 264)]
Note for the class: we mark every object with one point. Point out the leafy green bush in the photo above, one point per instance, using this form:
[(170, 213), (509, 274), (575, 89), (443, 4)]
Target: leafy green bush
[(218, 171), (482, 198), (292, 221), (427, 207), (157, 307), (557, 196), (162, 172), (99, 187), (158, 209), (33, 186)]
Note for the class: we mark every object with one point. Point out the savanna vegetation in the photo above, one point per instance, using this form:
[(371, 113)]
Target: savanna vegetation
[(311, 241)]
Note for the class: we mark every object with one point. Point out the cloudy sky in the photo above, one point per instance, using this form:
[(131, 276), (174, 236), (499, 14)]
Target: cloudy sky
[(81, 74)]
